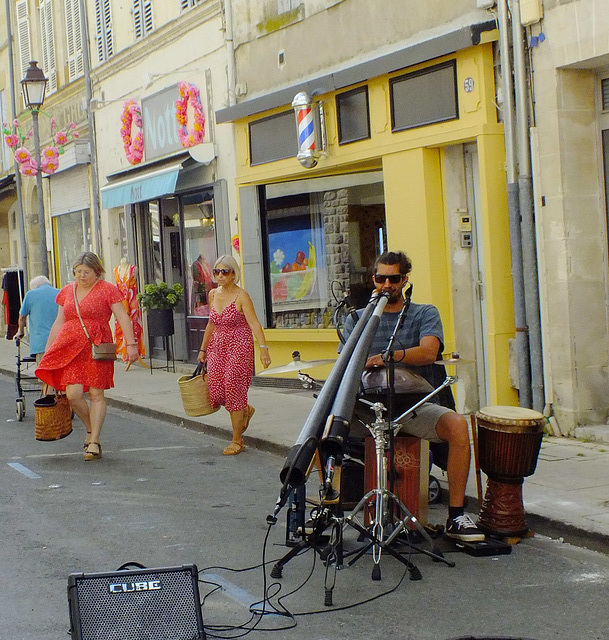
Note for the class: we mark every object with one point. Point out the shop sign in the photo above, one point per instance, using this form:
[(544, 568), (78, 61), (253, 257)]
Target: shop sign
[(159, 123)]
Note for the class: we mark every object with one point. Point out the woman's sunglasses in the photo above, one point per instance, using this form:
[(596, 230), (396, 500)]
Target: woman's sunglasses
[(224, 272), (394, 278)]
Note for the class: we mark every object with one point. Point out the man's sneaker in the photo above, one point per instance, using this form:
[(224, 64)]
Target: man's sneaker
[(463, 528)]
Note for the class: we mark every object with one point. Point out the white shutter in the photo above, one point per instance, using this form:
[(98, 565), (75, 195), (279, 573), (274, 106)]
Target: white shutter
[(23, 36), (69, 191), (103, 30), (138, 19), (74, 39), (48, 45), (142, 18)]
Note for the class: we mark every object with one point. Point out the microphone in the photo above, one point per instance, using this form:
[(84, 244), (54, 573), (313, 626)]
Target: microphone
[(281, 500), (329, 492)]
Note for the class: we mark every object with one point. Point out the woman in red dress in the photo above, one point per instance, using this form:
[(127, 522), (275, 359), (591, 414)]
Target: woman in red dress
[(228, 348), (68, 364)]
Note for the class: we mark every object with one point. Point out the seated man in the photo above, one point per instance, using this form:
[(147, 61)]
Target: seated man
[(417, 345)]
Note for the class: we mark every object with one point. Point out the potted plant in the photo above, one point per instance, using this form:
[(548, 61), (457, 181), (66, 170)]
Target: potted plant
[(159, 301)]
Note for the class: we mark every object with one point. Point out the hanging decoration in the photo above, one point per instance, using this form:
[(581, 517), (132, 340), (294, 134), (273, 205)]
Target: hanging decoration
[(236, 243), (15, 139), (133, 145), (190, 94)]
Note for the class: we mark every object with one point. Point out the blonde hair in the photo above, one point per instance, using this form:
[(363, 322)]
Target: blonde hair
[(228, 261), (89, 259)]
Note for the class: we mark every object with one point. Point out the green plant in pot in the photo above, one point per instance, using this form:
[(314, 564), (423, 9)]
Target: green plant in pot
[(159, 301)]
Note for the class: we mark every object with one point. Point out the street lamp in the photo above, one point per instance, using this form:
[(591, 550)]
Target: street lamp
[(34, 86)]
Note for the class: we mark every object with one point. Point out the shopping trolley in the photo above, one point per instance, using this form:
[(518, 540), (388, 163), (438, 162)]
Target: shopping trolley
[(25, 380)]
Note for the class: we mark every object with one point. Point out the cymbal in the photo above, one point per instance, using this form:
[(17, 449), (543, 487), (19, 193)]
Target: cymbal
[(456, 359), (296, 365)]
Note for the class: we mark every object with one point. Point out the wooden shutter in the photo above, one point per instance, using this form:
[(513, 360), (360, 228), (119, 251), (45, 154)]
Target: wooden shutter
[(74, 40), (142, 18), (48, 45), (103, 30), (23, 36)]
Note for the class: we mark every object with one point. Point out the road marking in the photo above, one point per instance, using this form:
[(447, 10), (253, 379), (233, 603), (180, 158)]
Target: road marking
[(231, 590), (24, 470), (75, 453)]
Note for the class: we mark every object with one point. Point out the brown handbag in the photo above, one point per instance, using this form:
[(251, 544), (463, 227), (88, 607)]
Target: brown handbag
[(101, 351), (195, 393)]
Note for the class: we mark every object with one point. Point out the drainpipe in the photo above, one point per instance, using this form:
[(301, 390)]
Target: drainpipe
[(11, 73), (525, 185), (522, 337), (86, 63), (230, 52)]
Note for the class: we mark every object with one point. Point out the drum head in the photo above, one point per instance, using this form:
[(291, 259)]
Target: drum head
[(510, 415)]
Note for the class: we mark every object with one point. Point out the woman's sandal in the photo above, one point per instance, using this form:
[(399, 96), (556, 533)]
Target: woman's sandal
[(93, 455), (233, 449)]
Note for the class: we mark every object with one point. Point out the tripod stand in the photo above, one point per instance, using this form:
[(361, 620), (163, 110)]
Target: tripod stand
[(382, 499)]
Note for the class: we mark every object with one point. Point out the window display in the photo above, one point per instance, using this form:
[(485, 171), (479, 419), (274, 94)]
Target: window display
[(72, 237)]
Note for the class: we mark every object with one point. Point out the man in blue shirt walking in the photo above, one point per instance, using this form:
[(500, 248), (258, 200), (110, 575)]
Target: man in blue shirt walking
[(39, 304)]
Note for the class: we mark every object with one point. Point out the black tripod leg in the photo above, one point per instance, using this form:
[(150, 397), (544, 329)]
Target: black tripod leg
[(277, 570), (415, 574)]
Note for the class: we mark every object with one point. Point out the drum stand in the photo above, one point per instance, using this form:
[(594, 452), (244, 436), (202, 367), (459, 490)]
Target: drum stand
[(385, 519)]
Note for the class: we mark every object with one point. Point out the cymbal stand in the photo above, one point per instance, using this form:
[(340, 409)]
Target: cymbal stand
[(382, 498)]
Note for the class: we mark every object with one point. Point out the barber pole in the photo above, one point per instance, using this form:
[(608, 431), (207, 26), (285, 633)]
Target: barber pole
[(307, 139)]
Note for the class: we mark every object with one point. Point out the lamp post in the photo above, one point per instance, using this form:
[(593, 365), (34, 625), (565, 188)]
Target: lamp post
[(34, 86)]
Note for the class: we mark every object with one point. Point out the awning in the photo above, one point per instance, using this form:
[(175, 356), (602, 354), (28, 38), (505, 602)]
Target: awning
[(140, 188)]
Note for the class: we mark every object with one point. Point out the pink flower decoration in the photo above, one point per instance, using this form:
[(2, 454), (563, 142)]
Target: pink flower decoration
[(61, 138), (236, 244), (11, 140), (22, 155), (49, 165), (28, 168), (189, 93), (133, 145)]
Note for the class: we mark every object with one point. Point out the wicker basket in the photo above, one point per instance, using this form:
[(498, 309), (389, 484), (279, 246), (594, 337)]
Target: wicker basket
[(195, 394), (53, 417)]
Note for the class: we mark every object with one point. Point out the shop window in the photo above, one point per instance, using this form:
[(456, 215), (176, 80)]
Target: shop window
[(72, 237), (424, 97), (273, 138), (201, 252), (353, 115), (322, 235)]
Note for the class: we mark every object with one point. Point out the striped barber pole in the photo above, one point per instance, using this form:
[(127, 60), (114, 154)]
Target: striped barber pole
[(306, 130), (307, 142)]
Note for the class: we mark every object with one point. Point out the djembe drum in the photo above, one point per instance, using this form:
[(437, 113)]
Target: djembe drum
[(509, 439)]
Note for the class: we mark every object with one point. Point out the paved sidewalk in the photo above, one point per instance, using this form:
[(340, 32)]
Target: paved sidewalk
[(568, 496)]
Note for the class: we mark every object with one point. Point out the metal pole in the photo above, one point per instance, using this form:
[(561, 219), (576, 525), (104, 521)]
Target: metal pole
[(522, 336), (525, 185), (86, 58), (44, 263), (20, 217)]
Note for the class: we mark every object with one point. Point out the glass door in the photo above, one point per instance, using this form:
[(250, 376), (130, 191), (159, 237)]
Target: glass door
[(200, 255)]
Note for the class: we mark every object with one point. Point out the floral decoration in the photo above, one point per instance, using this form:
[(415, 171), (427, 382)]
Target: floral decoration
[(236, 243), (15, 139), (189, 94), (133, 145)]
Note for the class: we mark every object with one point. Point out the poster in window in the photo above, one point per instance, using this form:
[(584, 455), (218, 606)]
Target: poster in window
[(297, 279)]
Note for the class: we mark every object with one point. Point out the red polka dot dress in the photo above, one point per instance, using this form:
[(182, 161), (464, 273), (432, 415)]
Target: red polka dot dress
[(230, 358), (69, 360)]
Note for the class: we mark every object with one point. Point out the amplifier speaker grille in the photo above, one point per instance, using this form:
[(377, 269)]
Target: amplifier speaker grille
[(142, 604)]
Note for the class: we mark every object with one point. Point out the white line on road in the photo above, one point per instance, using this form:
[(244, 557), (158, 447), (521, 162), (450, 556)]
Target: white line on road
[(24, 470), (231, 590)]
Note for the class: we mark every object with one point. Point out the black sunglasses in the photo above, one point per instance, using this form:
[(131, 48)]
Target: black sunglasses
[(224, 272), (394, 278)]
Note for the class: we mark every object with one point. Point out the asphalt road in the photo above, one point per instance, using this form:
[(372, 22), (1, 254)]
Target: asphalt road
[(164, 496)]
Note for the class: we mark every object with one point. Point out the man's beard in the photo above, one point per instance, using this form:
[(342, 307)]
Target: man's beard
[(395, 297)]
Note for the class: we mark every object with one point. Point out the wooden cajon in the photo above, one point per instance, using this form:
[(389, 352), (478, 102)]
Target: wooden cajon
[(411, 463)]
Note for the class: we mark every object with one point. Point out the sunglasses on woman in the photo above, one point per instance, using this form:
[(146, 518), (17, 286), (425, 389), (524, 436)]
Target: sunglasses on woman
[(394, 278), (224, 272)]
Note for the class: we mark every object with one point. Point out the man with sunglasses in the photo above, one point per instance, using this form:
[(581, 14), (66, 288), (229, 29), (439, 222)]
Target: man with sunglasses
[(418, 344)]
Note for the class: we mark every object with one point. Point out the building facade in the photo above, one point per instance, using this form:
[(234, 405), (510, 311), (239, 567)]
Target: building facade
[(414, 160)]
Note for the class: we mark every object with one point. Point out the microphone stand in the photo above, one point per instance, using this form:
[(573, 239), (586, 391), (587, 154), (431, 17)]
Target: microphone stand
[(389, 359)]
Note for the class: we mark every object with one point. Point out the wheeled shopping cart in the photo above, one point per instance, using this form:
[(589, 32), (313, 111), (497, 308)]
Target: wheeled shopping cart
[(25, 380)]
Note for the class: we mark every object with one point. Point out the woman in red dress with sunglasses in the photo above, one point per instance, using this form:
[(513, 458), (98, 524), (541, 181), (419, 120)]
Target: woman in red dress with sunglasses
[(228, 348)]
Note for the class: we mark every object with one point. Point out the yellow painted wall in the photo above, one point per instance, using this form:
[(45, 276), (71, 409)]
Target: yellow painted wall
[(414, 205)]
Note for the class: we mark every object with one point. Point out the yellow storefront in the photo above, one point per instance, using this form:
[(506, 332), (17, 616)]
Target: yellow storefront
[(414, 161)]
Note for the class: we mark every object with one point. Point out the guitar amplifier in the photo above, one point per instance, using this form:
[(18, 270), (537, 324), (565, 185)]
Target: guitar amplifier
[(140, 604)]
